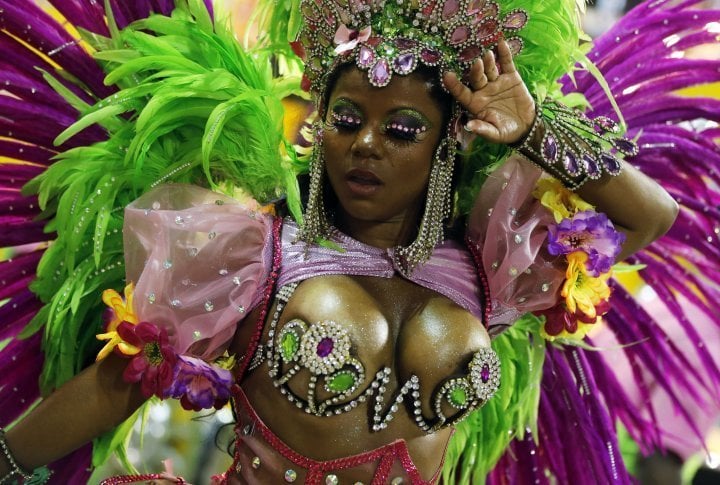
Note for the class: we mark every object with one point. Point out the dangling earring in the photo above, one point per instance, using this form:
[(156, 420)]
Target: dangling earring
[(315, 224), (437, 208)]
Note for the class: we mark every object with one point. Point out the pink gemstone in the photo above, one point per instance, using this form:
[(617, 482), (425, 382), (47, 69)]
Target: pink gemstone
[(380, 73), (430, 57), (475, 6), (516, 45), (366, 56), (491, 10), (450, 8), (325, 347), (515, 21), (487, 28), (459, 35), (470, 53)]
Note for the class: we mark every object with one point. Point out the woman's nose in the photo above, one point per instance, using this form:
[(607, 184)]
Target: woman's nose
[(367, 142)]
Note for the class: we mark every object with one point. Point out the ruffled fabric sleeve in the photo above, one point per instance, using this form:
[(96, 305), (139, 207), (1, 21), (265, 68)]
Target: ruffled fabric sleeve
[(509, 228), (198, 260)]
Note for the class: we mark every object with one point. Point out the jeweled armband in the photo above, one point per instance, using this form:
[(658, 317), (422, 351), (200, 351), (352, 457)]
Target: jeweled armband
[(575, 148)]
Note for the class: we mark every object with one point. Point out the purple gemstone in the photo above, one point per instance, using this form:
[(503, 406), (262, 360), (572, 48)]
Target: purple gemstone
[(611, 164), (450, 8), (459, 35), (380, 73), (591, 166), (365, 57), (324, 347), (430, 57), (515, 21), (404, 43), (626, 146), (404, 63), (550, 149), (605, 124), (570, 163), (485, 373)]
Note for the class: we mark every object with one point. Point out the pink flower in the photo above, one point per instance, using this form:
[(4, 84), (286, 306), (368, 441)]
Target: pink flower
[(154, 365), (346, 39)]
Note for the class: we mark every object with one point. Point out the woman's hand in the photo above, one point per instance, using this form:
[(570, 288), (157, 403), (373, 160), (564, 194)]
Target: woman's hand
[(499, 105)]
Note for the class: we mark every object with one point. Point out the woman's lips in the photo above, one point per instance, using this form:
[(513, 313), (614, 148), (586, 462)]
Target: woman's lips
[(362, 182)]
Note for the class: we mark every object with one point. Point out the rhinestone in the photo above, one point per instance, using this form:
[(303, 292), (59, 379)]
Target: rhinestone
[(209, 306), (236, 281), (545, 287), (241, 309), (255, 462), (513, 271), (197, 334), (179, 221), (290, 476), (246, 429), (175, 302), (397, 481), (238, 468), (518, 238), (211, 235), (331, 480), (151, 298), (192, 252), (223, 272), (167, 264)]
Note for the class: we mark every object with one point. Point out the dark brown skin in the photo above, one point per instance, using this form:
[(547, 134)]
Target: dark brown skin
[(392, 322)]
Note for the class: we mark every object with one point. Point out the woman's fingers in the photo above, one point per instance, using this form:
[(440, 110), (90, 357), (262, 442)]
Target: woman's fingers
[(478, 79), (459, 91), (491, 70), (505, 57)]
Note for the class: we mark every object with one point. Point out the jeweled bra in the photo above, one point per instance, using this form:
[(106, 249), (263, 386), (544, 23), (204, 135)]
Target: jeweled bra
[(325, 349)]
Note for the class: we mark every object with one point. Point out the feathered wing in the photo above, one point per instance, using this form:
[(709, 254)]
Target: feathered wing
[(655, 368), (182, 103)]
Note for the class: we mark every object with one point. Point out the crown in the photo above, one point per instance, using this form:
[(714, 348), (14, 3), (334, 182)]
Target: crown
[(386, 37)]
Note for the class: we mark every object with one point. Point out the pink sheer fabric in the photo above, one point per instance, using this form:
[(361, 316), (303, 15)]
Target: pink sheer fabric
[(198, 260), (508, 226)]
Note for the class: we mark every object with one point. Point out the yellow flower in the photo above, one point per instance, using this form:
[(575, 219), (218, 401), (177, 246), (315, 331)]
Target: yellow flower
[(560, 201), (122, 311), (581, 290)]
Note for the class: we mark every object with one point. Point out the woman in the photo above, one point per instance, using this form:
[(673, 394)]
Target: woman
[(376, 315)]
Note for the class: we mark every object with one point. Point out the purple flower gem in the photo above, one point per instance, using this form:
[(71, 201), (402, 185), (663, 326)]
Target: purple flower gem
[(459, 35), (450, 8), (591, 166), (325, 347), (626, 146), (404, 63), (380, 73), (365, 57), (611, 163), (485, 373), (550, 149), (570, 163), (591, 232)]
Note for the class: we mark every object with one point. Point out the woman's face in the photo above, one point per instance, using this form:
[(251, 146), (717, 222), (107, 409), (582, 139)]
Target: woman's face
[(379, 144)]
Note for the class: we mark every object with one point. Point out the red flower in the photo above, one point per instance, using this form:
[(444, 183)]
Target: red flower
[(154, 366), (298, 49), (305, 83)]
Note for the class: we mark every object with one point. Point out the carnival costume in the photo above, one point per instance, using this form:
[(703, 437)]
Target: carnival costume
[(171, 97)]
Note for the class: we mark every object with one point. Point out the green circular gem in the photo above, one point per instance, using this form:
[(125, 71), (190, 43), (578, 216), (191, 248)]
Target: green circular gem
[(341, 382), (289, 345), (458, 397), (388, 49)]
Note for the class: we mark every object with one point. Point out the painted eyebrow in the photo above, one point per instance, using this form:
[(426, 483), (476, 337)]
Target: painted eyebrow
[(400, 110)]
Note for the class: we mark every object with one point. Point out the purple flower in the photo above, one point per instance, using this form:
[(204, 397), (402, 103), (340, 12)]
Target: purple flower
[(200, 385), (590, 232)]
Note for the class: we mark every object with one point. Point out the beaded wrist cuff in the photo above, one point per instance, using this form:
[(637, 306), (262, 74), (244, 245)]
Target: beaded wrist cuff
[(575, 148), (15, 469)]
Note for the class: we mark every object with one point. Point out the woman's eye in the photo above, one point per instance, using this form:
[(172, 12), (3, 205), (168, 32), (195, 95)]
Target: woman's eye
[(405, 129), (347, 121)]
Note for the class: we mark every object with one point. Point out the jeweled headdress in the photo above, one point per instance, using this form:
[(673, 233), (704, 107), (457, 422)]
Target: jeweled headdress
[(386, 37)]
